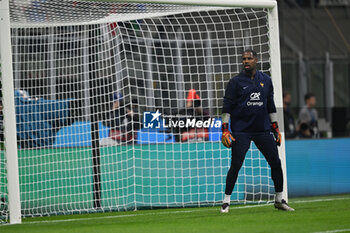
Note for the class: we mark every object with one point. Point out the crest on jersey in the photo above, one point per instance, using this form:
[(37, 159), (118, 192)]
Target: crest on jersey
[(262, 84), (255, 99), (255, 96)]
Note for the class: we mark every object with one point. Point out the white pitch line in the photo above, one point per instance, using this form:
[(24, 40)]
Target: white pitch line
[(334, 231), (317, 200), (174, 212), (135, 215)]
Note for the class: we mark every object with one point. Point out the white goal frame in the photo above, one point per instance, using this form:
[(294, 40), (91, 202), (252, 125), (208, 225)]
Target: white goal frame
[(8, 87)]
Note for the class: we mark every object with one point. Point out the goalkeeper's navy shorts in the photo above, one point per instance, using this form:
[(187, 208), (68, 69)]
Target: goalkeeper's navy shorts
[(265, 142)]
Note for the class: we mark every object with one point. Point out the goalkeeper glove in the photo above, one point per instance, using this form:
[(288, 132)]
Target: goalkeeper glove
[(276, 133), (226, 137)]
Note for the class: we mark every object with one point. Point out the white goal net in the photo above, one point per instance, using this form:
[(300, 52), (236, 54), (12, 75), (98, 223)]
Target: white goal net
[(88, 75)]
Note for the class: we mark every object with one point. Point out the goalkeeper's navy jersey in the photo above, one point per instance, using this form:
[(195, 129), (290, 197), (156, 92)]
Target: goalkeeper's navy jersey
[(249, 102)]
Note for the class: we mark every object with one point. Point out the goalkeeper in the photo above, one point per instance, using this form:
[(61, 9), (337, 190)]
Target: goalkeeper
[(249, 103)]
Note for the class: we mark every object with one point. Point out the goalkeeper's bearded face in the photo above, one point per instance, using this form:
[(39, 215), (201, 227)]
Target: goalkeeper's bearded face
[(249, 62)]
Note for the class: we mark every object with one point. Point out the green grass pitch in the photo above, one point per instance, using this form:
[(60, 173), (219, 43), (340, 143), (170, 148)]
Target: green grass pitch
[(313, 214)]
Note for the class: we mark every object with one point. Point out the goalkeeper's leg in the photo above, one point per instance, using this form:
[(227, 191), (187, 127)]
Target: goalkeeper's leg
[(239, 149), (267, 145)]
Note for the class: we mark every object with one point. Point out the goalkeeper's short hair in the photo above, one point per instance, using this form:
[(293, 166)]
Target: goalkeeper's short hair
[(250, 51)]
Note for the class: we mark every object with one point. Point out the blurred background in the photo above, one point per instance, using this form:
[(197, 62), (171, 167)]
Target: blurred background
[(315, 49), (160, 59)]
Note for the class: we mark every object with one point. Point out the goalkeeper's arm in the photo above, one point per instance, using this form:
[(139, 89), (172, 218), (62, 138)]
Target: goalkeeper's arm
[(226, 137)]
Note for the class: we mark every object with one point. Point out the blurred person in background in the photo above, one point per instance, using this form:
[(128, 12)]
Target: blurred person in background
[(193, 110), (304, 131), (289, 122), (309, 115), (123, 120)]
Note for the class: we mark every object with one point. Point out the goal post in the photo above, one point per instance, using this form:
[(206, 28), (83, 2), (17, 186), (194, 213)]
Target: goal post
[(9, 119), (97, 91), (277, 82)]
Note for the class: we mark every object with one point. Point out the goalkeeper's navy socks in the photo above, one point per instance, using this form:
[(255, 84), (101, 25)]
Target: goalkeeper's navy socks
[(225, 208), (283, 205)]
